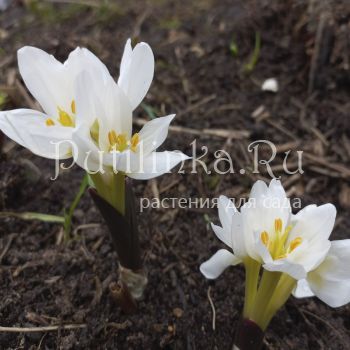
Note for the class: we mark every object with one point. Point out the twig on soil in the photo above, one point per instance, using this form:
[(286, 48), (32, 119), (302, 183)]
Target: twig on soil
[(85, 227), (339, 335), (196, 105), (169, 186), (316, 52), (41, 329), (212, 308), (115, 325), (233, 134), (182, 72), (7, 246), (154, 188), (279, 127), (342, 170), (139, 22)]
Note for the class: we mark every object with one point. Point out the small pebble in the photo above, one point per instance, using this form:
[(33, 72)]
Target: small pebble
[(270, 85), (178, 312)]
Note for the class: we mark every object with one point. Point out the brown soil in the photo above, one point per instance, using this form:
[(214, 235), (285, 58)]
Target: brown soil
[(199, 78)]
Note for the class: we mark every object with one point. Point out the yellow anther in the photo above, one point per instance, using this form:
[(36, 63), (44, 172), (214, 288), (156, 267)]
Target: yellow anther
[(278, 225), (294, 244), (281, 256), (49, 122), (264, 238), (121, 142), (112, 138), (95, 131), (134, 142), (72, 107), (64, 118)]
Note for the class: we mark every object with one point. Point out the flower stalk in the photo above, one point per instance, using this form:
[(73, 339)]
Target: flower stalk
[(125, 236), (252, 269)]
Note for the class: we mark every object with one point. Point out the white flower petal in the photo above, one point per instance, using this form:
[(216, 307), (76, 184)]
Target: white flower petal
[(314, 222), (156, 164), (238, 237), (136, 72), (330, 281), (154, 133), (296, 271), (107, 103), (262, 250), (226, 210), (265, 205), (28, 128), (336, 266), (215, 266), (82, 59), (333, 293), (126, 58), (258, 190), (223, 235), (87, 155), (310, 254), (45, 78), (302, 289)]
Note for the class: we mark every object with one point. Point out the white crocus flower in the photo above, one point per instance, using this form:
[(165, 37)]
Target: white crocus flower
[(52, 84), (104, 137), (330, 281), (266, 231), (293, 250)]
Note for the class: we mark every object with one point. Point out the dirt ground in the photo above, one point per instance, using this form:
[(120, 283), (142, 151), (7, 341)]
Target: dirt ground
[(202, 49)]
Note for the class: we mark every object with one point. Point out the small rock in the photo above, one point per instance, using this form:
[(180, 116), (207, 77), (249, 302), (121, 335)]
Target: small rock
[(270, 85), (178, 312)]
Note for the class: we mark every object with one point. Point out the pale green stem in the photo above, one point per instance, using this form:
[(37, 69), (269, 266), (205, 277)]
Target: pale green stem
[(268, 284), (111, 187), (252, 269), (279, 298), (101, 185)]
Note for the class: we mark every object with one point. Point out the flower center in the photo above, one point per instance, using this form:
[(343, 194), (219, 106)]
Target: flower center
[(277, 243), (64, 118), (119, 142)]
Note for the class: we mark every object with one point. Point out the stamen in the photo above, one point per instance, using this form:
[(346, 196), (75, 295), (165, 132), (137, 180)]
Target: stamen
[(72, 107), (278, 225), (134, 142), (264, 238), (95, 131), (64, 118), (287, 230), (294, 244), (49, 122), (112, 138), (122, 143), (281, 256)]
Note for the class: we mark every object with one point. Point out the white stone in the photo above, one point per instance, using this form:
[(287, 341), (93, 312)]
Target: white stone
[(270, 84)]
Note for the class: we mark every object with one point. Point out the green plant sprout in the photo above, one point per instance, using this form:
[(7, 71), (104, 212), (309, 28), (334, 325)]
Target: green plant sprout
[(233, 48), (65, 220), (68, 215), (249, 67)]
